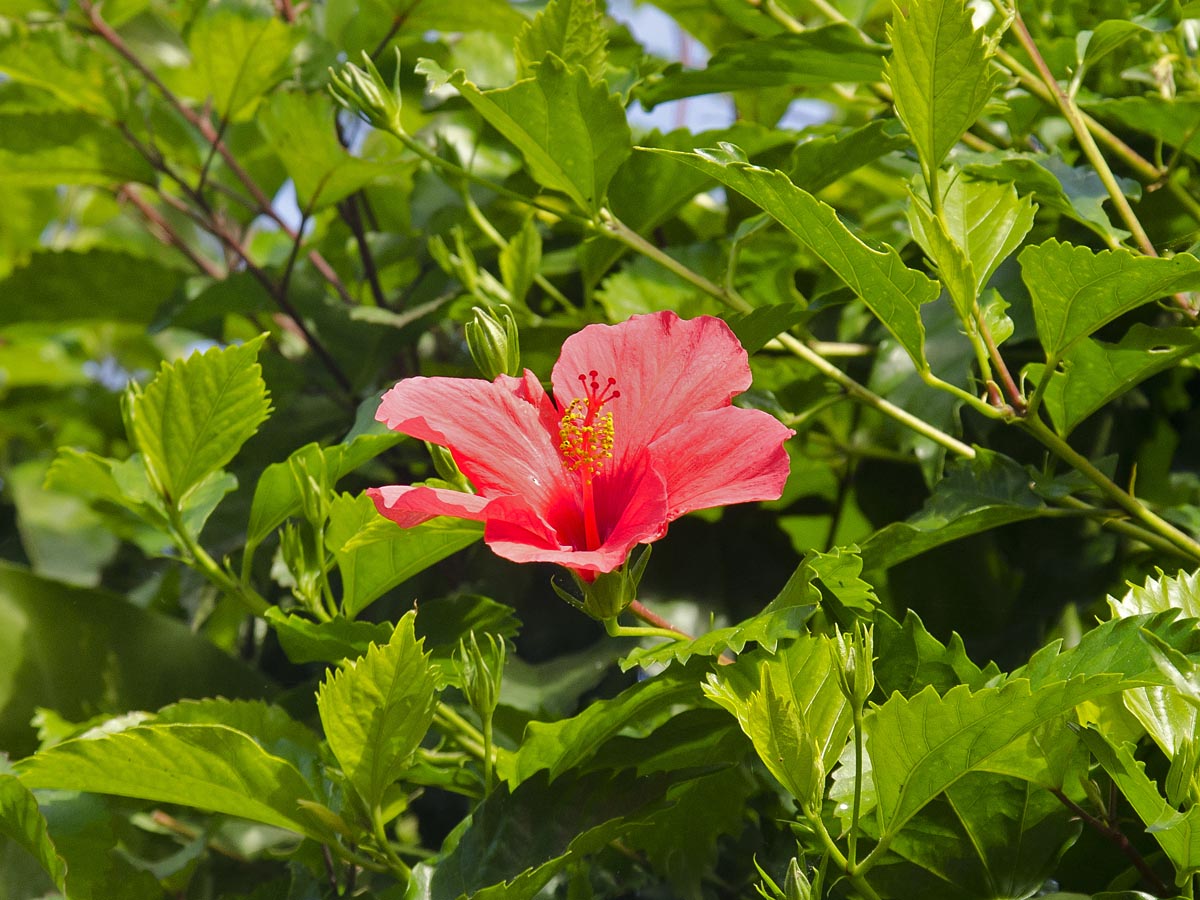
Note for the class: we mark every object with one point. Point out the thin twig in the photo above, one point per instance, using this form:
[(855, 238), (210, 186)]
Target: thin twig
[(1117, 838), (162, 229)]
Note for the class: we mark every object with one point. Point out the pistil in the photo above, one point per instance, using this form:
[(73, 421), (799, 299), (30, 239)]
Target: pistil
[(586, 442)]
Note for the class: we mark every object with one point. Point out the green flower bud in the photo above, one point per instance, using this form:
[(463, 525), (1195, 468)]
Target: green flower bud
[(492, 339), (481, 669), (854, 656), (447, 468), (796, 885), (363, 91)]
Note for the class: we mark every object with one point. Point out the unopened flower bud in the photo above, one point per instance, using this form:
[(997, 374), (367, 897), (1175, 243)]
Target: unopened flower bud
[(447, 468), (796, 886), (363, 91), (854, 656), (493, 341), (481, 668)]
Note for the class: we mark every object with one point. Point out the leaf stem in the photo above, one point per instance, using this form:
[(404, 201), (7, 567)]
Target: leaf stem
[(626, 235), (207, 566), (856, 807), (398, 866), (471, 738), (1118, 839), (1123, 499), (853, 872), (1083, 134)]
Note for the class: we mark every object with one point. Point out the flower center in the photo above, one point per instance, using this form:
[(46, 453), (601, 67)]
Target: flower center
[(586, 441)]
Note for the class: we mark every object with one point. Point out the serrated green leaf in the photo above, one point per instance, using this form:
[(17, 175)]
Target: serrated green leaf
[(276, 496), (790, 706), (754, 329), (443, 622), (95, 284), (373, 555), (909, 659), (22, 822), (304, 640), (299, 129), (989, 837), (1076, 290), (194, 416), (573, 30), (563, 745), (1077, 192), (839, 571), (890, 289), (1177, 833), (984, 222), (777, 621), (514, 842), (270, 727), (210, 767), (1179, 592), (837, 53), (922, 745), (819, 162), (236, 57), (976, 495), (1094, 373), (648, 190), (939, 74), (376, 711), (572, 132)]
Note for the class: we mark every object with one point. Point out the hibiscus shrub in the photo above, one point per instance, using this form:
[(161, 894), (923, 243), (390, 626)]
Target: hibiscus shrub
[(426, 479)]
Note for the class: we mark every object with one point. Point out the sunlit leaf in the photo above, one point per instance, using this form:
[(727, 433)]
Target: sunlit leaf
[(573, 30), (891, 290), (196, 414), (376, 711)]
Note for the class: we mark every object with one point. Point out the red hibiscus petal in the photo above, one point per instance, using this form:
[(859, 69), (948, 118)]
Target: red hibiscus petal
[(497, 431), (666, 369), (720, 457), (409, 506)]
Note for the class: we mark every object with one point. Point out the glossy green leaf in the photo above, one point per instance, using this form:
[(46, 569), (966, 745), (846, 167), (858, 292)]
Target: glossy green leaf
[(443, 622), (939, 74), (194, 416), (304, 640), (374, 555), (754, 329), (276, 496), (210, 767), (989, 837), (1179, 593), (908, 659), (984, 493), (1094, 373), (72, 286), (922, 745), (891, 290), (793, 711), (1177, 833), (820, 161), (570, 129), (565, 744), (648, 190), (782, 618), (300, 129), (376, 711), (22, 822), (83, 652), (984, 222), (1173, 121), (1110, 34), (514, 842), (573, 30), (829, 54), (521, 261), (236, 57), (1076, 290)]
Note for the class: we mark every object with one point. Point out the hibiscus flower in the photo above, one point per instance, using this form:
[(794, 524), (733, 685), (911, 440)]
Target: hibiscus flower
[(640, 431)]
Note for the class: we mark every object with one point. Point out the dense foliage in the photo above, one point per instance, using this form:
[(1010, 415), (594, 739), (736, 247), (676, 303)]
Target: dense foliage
[(958, 658)]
